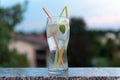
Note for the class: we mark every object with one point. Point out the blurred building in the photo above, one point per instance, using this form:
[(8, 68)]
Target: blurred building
[(34, 46)]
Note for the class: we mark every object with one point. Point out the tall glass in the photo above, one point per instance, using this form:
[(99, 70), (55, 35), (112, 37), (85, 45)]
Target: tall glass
[(58, 31)]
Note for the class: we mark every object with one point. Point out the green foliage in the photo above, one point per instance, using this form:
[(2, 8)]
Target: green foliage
[(13, 59), (9, 18), (87, 48), (100, 62)]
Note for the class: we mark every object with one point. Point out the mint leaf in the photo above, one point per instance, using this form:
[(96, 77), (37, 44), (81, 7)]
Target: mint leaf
[(62, 28)]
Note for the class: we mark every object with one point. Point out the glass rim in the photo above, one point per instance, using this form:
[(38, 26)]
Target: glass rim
[(58, 17)]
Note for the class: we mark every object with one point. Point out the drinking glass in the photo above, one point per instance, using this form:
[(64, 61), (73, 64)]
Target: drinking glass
[(58, 31)]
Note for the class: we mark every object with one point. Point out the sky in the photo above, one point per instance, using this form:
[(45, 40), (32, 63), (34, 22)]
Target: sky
[(98, 14)]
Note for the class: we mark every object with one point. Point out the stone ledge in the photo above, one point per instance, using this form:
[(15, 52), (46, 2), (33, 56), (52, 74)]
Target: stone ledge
[(59, 78), (73, 72)]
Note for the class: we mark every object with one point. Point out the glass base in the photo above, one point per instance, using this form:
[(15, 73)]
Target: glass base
[(58, 72)]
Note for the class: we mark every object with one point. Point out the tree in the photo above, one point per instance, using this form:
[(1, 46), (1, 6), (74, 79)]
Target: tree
[(78, 48), (9, 18)]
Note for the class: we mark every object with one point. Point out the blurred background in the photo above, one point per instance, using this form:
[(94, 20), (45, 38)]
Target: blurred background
[(94, 32)]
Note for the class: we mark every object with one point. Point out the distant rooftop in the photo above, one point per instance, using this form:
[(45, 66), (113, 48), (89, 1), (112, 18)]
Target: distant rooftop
[(38, 39)]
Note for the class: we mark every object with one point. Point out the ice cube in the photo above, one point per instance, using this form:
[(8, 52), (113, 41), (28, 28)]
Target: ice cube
[(52, 29), (66, 22), (62, 36)]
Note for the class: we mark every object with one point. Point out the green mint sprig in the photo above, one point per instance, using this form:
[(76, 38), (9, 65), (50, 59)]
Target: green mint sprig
[(62, 28)]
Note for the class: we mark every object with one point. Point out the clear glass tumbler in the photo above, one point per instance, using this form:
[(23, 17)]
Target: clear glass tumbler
[(58, 31)]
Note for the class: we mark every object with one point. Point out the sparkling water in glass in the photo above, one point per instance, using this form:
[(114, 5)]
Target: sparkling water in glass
[(57, 36)]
